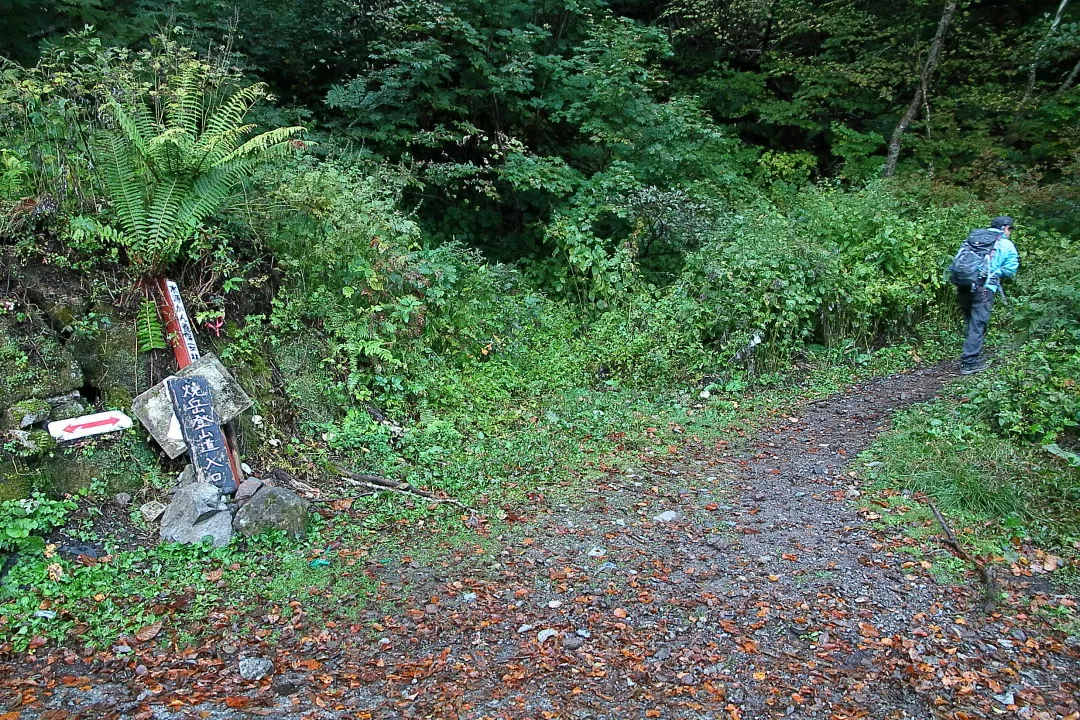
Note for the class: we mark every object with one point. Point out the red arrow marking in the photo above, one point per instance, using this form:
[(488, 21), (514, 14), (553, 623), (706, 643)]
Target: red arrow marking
[(86, 426)]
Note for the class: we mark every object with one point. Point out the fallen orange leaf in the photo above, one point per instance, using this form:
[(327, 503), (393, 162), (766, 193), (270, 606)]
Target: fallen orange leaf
[(148, 633)]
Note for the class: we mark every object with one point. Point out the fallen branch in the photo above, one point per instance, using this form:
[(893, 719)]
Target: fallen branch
[(991, 589), (280, 477), (382, 484)]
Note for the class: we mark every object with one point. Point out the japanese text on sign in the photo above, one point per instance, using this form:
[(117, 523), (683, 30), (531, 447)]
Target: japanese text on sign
[(192, 402), (187, 334)]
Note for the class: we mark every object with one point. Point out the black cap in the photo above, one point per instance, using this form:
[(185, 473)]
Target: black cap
[(1001, 221)]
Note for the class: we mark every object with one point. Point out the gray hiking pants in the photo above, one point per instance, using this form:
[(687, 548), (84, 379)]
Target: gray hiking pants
[(976, 306)]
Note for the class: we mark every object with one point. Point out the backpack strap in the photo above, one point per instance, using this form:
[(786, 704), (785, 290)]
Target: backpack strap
[(990, 257)]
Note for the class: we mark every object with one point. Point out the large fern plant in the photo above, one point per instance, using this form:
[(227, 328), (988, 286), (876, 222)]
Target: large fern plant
[(167, 165)]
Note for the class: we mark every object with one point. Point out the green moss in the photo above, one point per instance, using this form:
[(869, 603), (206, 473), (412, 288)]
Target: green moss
[(110, 359), (13, 484), (26, 412), (63, 315), (122, 464), (34, 362), (15, 370), (117, 398)]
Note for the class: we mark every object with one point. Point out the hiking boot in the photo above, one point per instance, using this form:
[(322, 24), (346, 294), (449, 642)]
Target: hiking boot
[(974, 368)]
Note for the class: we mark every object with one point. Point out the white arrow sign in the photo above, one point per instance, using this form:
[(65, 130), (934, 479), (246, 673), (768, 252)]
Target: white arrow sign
[(87, 425)]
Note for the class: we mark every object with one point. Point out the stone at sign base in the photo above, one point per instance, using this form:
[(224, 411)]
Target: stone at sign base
[(151, 511), (247, 490), (273, 508), (197, 511)]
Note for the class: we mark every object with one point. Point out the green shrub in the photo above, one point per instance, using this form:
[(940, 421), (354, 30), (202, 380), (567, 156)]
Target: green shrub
[(1049, 306), (762, 282), (25, 522), (852, 268), (894, 246), (400, 320), (1034, 394), (650, 339)]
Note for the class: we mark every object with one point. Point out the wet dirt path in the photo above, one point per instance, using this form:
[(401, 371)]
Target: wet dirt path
[(719, 583)]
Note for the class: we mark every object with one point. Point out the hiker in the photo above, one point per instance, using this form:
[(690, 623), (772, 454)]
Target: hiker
[(984, 258)]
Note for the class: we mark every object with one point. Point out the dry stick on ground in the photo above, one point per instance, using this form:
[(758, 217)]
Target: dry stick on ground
[(991, 589), (379, 483)]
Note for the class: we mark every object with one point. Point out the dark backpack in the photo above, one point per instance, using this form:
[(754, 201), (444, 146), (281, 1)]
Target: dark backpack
[(972, 262)]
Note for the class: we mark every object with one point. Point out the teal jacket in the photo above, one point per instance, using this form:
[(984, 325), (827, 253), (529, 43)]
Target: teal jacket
[(1004, 263)]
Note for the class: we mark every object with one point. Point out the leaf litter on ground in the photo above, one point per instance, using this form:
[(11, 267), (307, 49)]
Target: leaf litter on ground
[(766, 595)]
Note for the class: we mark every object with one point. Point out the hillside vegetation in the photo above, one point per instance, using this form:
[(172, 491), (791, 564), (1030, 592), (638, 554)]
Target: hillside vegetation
[(493, 249)]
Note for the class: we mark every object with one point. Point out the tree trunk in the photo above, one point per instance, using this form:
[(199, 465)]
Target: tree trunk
[(924, 82), (1071, 79), (1030, 90)]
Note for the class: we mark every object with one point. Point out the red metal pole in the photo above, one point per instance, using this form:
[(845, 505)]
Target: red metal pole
[(186, 350), (178, 324)]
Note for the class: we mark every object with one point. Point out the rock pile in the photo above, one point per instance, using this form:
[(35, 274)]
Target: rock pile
[(200, 510)]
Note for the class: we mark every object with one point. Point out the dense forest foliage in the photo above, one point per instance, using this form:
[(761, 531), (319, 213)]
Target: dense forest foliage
[(422, 230)]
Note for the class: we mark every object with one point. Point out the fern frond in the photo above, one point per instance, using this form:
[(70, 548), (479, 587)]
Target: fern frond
[(212, 149), (82, 226), (170, 152), (136, 126), (149, 334), (107, 232), (176, 137), (214, 186), (375, 350), (166, 229), (124, 183), (185, 108), (164, 178), (270, 142), (231, 113)]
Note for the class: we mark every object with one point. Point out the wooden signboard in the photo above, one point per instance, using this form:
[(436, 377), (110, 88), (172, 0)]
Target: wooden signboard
[(193, 403), (154, 407)]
